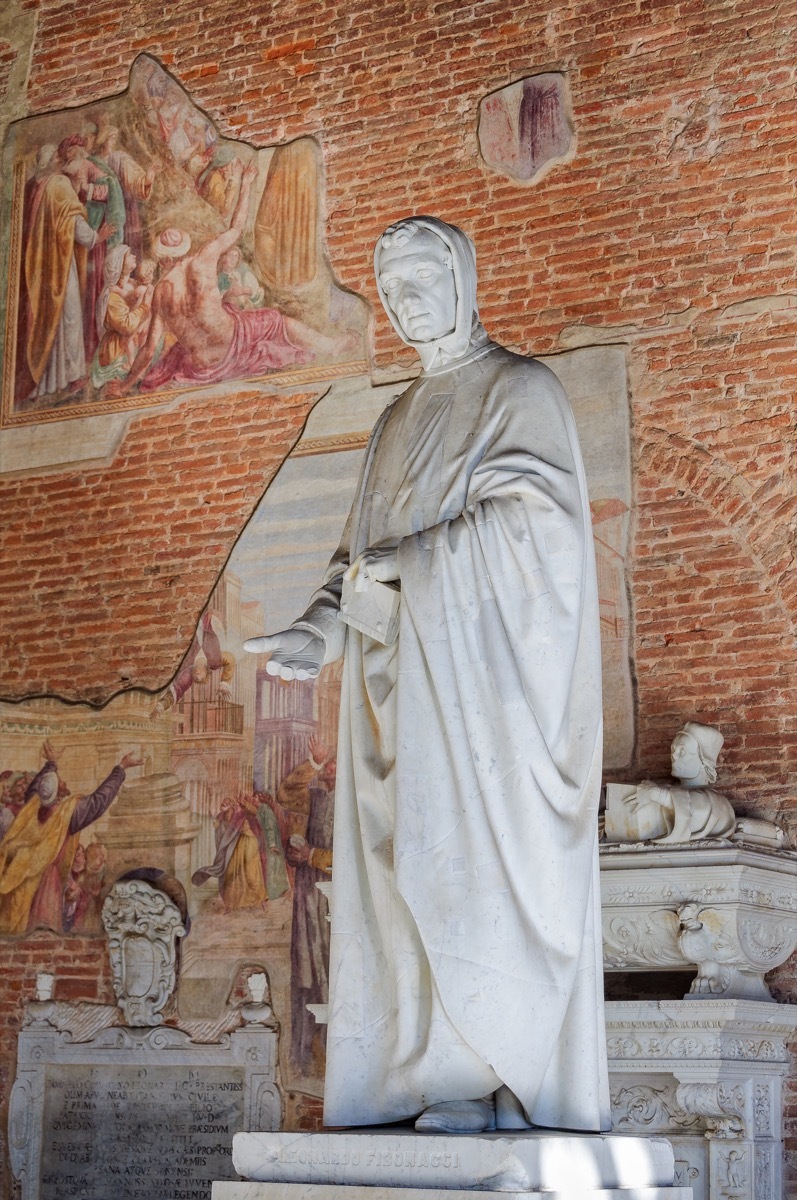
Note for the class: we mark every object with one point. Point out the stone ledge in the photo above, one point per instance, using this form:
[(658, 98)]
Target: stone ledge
[(327, 1191), (503, 1161)]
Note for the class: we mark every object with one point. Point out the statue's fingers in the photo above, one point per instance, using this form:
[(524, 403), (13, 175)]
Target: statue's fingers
[(307, 672), (260, 645), (275, 667)]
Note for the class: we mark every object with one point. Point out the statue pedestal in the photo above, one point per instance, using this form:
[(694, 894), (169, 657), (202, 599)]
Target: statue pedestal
[(708, 1075), (369, 1164)]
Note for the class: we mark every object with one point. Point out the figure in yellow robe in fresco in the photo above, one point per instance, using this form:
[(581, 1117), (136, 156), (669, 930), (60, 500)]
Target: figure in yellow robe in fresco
[(249, 862), (37, 851)]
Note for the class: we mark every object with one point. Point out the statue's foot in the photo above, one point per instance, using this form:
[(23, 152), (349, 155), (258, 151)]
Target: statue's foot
[(458, 1116)]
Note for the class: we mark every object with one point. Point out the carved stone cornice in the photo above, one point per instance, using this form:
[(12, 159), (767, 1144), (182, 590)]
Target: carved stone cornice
[(675, 1032)]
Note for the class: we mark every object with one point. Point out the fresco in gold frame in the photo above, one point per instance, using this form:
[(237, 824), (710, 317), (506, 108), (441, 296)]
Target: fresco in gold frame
[(148, 256)]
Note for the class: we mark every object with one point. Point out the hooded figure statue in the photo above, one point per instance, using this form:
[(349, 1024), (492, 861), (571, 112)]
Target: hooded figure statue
[(465, 972)]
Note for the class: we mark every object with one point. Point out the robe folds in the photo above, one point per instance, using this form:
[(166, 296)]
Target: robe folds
[(466, 948), (31, 851), (52, 253)]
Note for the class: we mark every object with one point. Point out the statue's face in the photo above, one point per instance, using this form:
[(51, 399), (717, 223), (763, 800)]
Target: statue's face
[(418, 282), (685, 753)]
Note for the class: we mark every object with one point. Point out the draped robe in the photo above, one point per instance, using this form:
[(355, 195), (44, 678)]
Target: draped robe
[(465, 949), (55, 274)]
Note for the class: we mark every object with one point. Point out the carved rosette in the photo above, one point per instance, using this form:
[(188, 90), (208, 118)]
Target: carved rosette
[(143, 926)]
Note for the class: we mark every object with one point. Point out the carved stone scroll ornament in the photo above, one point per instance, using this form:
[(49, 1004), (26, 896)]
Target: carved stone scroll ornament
[(21, 1128), (143, 926), (682, 1068), (762, 1110), (630, 939), (644, 1108), (764, 1172), (721, 1104)]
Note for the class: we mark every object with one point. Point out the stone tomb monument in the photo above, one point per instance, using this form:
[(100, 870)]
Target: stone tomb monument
[(685, 882), (465, 966), (140, 1110)]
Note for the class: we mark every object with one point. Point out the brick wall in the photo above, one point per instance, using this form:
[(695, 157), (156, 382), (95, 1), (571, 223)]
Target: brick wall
[(118, 563), (672, 231)]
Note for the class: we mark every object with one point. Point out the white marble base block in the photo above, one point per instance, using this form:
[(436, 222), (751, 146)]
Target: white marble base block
[(331, 1191), (342, 1165)]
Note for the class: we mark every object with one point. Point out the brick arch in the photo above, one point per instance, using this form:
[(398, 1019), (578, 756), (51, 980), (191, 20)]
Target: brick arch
[(765, 516), (715, 625)]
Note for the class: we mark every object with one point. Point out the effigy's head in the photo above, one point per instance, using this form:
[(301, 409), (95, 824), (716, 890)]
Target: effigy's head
[(426, 275), (694, 752)]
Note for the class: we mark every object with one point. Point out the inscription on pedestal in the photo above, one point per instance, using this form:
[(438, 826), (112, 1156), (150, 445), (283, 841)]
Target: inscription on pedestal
[(389, 1155), (133, 1113), (139, 1133)]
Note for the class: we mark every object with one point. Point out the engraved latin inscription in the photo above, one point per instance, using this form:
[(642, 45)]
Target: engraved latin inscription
[(139, 1133)]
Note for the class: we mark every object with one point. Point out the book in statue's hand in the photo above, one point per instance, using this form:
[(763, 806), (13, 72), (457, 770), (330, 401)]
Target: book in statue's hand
[(373, 609)]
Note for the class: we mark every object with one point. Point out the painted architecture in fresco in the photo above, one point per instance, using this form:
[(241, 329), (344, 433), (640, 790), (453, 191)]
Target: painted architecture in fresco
[(149, 256)]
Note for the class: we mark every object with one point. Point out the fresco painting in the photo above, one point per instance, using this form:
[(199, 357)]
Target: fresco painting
[(527, 127), (148, 255)]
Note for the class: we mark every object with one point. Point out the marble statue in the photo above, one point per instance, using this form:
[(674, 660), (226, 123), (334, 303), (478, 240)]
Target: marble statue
[(465, 977), (686, 811)]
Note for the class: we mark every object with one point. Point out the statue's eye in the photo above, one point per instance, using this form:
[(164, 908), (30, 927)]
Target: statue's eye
[(389, 285), (425, 273)]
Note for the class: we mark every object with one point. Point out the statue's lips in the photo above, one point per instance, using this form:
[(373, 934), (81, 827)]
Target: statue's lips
[(414, 320)]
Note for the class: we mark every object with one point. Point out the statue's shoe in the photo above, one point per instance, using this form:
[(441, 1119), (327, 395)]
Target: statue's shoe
[(457, 1116)]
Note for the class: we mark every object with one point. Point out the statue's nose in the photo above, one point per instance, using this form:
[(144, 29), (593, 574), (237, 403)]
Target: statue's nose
[(409, 291)]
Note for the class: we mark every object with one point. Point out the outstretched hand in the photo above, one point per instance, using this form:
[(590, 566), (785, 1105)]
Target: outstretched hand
[(50, 753), (131, 760), (295, 653), (318, 751)]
